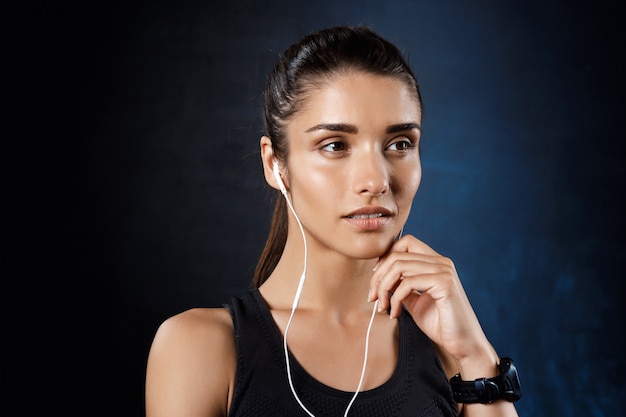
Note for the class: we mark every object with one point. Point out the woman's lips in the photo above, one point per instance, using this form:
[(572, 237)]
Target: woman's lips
[(369, 218), (366, 216)]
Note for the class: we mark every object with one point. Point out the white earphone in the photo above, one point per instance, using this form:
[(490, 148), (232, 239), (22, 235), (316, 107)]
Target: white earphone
[(279, 180), (296, 299)]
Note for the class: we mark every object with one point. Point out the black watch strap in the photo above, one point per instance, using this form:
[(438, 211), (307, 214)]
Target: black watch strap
[(506, 386)]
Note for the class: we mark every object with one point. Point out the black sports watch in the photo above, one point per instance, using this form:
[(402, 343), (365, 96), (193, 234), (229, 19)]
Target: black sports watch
[(486, 390)]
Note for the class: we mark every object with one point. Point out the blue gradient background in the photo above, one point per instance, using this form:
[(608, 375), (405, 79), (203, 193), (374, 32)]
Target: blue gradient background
[(523, 157)]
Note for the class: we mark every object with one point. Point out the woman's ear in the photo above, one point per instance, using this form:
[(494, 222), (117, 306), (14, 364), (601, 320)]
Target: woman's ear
[(269, 159)]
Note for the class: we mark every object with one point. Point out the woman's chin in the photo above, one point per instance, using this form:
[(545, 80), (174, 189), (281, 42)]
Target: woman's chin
[(372, 250)]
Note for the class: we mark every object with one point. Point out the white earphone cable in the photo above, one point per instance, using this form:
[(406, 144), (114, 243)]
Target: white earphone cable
[(293, 310), (367, 343)]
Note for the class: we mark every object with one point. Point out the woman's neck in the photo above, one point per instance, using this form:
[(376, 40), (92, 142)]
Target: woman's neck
[(333, 281)]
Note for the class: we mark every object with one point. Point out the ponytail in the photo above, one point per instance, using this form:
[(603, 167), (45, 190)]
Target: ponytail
[(274, 244)]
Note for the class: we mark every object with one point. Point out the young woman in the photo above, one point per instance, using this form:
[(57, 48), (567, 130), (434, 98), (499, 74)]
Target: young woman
[(347, 316)]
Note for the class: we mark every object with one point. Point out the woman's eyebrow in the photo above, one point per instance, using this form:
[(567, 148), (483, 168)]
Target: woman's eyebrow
[(402, 127), (334, 127), (350, 128)]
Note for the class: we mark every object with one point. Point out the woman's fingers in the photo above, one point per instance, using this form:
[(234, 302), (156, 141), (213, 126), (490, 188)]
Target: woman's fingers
[(413, 277), (412, 288), (396, 266), (410, 243)]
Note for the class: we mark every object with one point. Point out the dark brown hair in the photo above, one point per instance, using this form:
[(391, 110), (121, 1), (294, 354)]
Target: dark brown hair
[(302, 68)]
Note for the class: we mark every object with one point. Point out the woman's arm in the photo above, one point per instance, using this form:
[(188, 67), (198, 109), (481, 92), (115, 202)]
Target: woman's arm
[(427, 284), (191, 365)]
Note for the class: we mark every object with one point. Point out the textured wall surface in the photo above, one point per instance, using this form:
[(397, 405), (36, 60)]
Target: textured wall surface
[(523, 157)]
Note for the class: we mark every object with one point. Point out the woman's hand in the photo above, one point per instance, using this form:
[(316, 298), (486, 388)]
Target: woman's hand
[(429, 287)]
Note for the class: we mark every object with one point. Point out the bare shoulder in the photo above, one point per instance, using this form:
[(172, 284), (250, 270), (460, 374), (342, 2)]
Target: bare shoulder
[(198, 324), (199, 334), (191, 364)]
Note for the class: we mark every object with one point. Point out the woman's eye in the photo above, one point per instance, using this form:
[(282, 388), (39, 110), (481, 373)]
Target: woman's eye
[(401, 145), (334, 147)]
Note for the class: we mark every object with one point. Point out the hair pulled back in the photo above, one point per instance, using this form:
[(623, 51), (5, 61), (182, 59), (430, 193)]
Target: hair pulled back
[(301, 69)]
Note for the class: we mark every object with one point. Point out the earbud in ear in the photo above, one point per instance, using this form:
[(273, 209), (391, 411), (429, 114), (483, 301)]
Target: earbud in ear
[(279, 180)]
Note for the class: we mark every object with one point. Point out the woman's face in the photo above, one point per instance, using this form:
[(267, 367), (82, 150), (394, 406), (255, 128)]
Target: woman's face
[(354, 164)]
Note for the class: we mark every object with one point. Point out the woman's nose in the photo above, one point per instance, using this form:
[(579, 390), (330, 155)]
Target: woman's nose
[(371, 175)]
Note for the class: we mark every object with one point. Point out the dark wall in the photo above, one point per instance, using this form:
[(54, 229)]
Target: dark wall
[(522, 150)]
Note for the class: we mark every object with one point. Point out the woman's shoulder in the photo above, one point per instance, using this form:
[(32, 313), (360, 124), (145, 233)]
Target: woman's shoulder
[(203, 320), (192, 352), (198, 330)]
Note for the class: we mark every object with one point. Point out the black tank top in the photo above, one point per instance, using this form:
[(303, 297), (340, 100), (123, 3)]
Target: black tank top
[(417, 388)]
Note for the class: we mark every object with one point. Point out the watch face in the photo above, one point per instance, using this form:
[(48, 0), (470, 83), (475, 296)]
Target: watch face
[(486, 390), (511, 389)]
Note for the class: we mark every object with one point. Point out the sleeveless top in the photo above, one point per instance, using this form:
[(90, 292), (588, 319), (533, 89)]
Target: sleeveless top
[(417, 388)]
